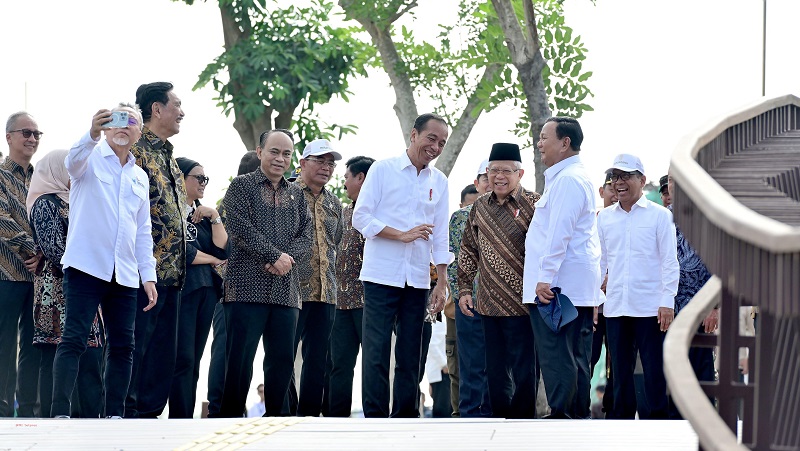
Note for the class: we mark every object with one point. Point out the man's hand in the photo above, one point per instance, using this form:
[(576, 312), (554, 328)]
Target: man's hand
[(595, 315), (282, 265), (438, 297), (465, 304), (544, 293), (203, 211), (32, 264), (711, 321), (665, 316), (603, 285), (100, 118), (217, 262), (422, 231), (152, 295)]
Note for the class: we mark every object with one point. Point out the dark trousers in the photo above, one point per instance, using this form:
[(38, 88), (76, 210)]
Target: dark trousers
[(20, 374), (156, 348), (451, 350), (598, 338), (404, 309), (314, 329), (511, 366), (274, 325), (565, 358), (216, 368), (345, 344), (440, 392), (84, 293), (87, 399), (625, 335), (194, 324), (473, 389), (702, 361)]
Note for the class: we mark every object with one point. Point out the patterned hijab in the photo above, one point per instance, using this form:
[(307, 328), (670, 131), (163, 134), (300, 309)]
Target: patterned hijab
[(49, 177)]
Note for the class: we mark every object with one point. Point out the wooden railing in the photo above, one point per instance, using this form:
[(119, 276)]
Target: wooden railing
[(737, 184)]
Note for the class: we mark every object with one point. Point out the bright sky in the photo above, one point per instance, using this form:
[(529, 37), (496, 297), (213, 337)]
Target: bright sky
[(661, 69)]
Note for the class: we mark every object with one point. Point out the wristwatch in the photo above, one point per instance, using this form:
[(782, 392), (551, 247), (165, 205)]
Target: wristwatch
[(217, 221)]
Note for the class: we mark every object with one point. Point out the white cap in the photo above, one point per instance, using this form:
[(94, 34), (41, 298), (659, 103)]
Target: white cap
[(628, 163), (484, 167), (320, 147)]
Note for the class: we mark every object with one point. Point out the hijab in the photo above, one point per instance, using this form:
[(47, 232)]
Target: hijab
[(49, 177)]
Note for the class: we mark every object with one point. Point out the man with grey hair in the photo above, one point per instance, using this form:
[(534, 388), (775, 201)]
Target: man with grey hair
[(19, 259), (109, 250)]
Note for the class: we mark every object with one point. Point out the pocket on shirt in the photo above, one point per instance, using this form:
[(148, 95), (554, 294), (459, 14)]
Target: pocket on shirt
[(103, 186), (136, 196), (643, 241)]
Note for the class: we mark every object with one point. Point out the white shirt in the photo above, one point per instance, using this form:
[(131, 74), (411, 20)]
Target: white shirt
[(109, 216), (437, 353), (640, 252), (562, 247), (258, 410), (394, 195)]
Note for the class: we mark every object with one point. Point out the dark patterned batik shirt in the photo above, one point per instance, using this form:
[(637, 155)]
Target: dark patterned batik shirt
[(49, 222), (264, 221), (693, 273), (326, 216), (16, 239), (494, 244), (167, 204), (350, 293)]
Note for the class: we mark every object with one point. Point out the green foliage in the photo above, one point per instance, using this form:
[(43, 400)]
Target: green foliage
[(336, 186)]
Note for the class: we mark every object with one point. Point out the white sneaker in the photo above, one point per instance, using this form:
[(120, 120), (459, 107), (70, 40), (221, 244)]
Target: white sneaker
[(115, 417), (61, 417)]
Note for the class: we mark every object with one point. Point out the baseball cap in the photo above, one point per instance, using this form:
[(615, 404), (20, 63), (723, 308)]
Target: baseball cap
[(320, 147), (607, 178), (294, 175), (484, 167), (663, 183), (628, 163)]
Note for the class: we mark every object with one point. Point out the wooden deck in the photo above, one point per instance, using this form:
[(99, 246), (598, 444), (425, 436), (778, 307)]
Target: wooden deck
[(345, 434)]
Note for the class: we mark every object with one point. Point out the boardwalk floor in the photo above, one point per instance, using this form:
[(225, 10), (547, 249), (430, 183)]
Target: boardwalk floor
[(344, 434)]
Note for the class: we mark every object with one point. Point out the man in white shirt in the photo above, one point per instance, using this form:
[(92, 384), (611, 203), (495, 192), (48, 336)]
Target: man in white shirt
[(109, 249), (402, 213), (639, 247), (562, 250)]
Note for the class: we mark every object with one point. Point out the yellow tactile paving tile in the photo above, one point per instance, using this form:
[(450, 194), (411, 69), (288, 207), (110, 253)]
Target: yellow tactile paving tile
[(242, 433)]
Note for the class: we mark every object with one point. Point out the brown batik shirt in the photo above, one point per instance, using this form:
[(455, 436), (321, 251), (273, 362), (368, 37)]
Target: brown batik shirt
[(16, 238), (318, 282), (350, 293), (263, 221), (167, 205), (494, 244)]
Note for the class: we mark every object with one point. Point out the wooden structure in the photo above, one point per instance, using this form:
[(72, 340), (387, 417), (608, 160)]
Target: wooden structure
[(737, 201)]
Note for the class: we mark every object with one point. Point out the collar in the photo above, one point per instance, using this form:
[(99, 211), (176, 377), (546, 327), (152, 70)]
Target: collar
[(643, 202), (155, 142), (305, 187), (553, 170), (12, 166), (106, 151), (262, 178), (513, 196), (404, 161)]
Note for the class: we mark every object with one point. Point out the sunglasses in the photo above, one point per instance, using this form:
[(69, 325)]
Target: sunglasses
[(37, 135), (201, 179)]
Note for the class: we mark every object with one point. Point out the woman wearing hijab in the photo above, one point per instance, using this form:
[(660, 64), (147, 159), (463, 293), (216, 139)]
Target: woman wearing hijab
[(48, 210), (206, 249)]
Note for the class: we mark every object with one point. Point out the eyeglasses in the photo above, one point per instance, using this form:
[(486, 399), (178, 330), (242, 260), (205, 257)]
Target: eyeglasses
[(37, 135), (505, 172), (132, 121), (624, 176), (201, 179), (330, 164)]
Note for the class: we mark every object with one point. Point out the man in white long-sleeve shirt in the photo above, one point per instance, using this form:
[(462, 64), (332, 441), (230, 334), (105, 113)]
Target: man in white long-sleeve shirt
[(402, 214), (562, 250), (639, 247), (109, 249)]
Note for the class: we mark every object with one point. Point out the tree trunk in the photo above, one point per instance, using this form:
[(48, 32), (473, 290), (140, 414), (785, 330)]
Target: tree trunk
[(526, 55), (463, 128)]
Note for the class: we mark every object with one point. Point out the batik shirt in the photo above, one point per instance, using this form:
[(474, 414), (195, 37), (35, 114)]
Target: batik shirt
[(494, 244), (167, 204), (693, 272), (350, 293), (16, 239), (326, 216), (49, 222)]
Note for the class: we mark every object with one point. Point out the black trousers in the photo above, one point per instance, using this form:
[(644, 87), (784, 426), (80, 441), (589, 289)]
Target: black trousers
[(18, 374), (247, 323), (194, 324), (87, 399), (156, 349), (625, 335), (565, 359), (440, 392), (511, 366), (84, 293), (217, 365), (387, 307), (345, 344), (314, 329)]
